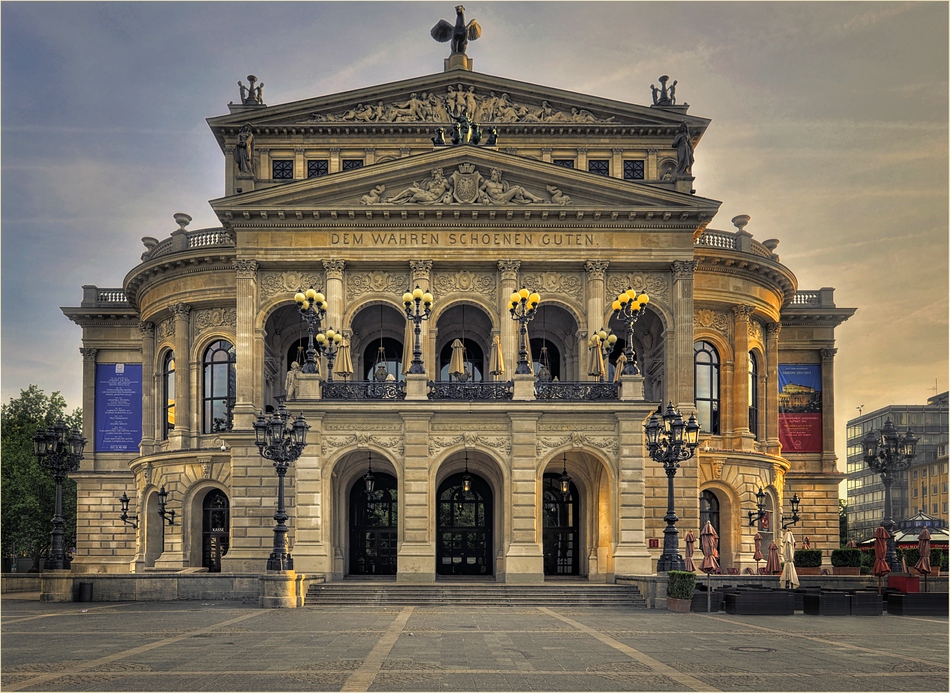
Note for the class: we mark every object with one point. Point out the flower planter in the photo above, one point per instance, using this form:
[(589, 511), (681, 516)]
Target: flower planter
[(808, 571), (681, 606), (841, 570)]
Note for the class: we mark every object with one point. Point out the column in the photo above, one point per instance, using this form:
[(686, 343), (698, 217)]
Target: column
[(250, 348), (524, 561), (300, 166), (743, 437), (772, 331), (828, 410), (651, 172), (179, 438), (416, 558), (334, 164), (596, 298), (509, 328), (420, 274), (681, 371), (334, 283), (148, 386)]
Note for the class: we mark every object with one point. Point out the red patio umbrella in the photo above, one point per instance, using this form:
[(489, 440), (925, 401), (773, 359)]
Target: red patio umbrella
[(880, 568), (757, 556), (806, 543), (690, 542), (923, 545), (773, 566), (709, 543), (851, 544)]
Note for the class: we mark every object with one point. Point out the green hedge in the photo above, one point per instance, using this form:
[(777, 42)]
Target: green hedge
[(846, 558), (681, 584), (912, 555), (807, 558)]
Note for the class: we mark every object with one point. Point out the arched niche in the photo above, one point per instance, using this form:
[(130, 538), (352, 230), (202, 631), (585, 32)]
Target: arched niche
[(650, 346), (470, 324), (557, 326), (376, 324)]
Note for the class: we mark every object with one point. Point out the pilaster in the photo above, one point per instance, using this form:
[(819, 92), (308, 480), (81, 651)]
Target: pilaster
[(828, 457), (250, 348), (88, 400), (147, 330), (524, 560), (596, 298), (420, 275), (416, 558), (682, 362), (743, 437), (772, 331), (334, 283), (508, 270)]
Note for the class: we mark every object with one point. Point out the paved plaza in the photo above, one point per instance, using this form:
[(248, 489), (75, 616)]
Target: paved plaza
[(225, 646)]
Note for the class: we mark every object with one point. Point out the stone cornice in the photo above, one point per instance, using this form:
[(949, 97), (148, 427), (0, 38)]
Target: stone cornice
[(739, 264), (190, 262)]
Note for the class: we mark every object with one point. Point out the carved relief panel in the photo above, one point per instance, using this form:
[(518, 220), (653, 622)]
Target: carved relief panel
[(379, 281), (653, 284), (288, 283), (445, 283)]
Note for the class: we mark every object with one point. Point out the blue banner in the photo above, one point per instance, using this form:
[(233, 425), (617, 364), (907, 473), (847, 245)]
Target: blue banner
[(799, 407), (118, 407)]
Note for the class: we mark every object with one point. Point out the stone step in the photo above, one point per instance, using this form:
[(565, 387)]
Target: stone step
[(377, 594)]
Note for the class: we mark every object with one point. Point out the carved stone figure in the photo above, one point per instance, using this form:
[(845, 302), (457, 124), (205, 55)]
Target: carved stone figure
[(492, 139), (684, 151), (374, 196), (429, 191), (557, 197), (251, 95), (496, 191), (292, 382), (460, 34), (664, 96), (439, 139), (244, 151)]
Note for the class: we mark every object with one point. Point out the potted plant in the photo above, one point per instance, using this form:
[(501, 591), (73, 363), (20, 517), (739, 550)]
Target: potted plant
[(680, 587), (846, 561), (808, 561)]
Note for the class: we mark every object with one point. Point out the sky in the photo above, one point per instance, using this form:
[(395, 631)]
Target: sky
[(829, 128)]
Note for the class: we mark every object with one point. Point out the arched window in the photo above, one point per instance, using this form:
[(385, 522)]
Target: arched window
[(474, 360), (706, 384), (540, 359), (391, 359), (168, 393), (753, 395), (219, 386), (709, 510)]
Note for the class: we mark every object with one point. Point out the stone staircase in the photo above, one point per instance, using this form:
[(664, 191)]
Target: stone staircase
[(486, 594)]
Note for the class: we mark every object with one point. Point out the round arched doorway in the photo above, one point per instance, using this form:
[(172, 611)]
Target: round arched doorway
[(464, 545), (560, 521), (215, 529), (374, 526)]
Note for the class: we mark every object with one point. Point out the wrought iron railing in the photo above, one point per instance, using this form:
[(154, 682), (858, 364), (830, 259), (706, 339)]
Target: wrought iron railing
[(576, 391), (471, 391), (363, 389)]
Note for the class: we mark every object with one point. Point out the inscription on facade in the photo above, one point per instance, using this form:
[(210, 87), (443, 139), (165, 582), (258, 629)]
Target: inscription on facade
[(517, 239)]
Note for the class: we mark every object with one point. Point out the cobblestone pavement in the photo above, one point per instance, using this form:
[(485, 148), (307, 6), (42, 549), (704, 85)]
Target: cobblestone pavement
[(223, 646)]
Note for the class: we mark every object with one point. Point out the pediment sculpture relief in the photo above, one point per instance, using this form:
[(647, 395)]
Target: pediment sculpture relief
[(458, 101), (465, 186)]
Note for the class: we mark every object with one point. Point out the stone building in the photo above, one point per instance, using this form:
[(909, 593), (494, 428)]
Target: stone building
[(573, 196)]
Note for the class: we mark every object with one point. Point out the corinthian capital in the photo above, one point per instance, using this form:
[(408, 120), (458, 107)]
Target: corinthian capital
[(683, 270), (420, 269), (181, 310), (828, 354), (773, 330), (334, 268), (147, 328), (88, 354), (509, 269), (742, 312), (596, 269), (246, 269)]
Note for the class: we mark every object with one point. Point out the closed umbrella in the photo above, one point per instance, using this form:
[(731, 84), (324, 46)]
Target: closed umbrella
[(407, 347), (880, 568), (618, 367), (709, 543), (527, 348), (596, 360), (344, 361), (457, 362), (757, 556), (806, 543), (773, 566), (923, 545), (690, 547), (789, 574), (496, 361), (851, 544)]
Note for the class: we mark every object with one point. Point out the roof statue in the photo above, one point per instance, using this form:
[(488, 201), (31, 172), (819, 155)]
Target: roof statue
[(251, 95), (460, 34), (664, 96)]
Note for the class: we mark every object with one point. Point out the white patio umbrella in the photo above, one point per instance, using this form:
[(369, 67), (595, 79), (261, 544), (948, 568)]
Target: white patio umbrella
[(789, 576)]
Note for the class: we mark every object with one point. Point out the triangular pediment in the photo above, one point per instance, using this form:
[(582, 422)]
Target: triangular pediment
[(430, 100), (461, 177)]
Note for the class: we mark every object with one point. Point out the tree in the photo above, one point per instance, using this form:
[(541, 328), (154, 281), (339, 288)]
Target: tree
[(28, 490), (842, 521)]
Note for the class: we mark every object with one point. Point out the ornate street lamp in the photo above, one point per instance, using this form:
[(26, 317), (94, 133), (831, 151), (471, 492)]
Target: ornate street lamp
[(759, 512), (523, 306), (124, 515), (670, 443), (283, 443), (795, 518), (627, 308), (369, 483), (59, 451), (313, 308), (418, 305), (328, 344), (166, 515), (889, 453)]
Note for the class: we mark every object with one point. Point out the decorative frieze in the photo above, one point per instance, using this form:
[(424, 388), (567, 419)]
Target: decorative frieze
[(756, 332), (362, 427), (653, 284), (452, 428), (718, 320), (288, 283), (214, 318), (576, 440), (470, 440), (359, 283), (362, 440), (569, 426), (548, 283), (445, 283)]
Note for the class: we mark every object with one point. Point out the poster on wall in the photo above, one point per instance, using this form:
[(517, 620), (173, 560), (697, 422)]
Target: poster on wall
[(799, 407), (118, 407)]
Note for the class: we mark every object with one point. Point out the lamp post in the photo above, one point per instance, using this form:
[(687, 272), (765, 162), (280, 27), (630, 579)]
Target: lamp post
[(603, 339), (418, 304), (676, 444), (166, 515), (795, 518), (313, 308), (283, 443), (523, 306), (329, 344), (759, 512), (124, 515), (889, 453), (59, 451), (627, 308)]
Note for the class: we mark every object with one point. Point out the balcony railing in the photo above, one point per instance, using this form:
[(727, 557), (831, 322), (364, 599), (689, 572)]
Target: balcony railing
[(363, 389), (471, 391), (576, 391)]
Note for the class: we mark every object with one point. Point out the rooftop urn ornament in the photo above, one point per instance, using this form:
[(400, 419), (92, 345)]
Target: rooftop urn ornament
[(460, 34), (251, 95)]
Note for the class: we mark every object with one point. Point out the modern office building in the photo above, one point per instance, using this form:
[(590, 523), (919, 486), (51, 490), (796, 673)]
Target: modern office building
[(368, 193), (920, 488)]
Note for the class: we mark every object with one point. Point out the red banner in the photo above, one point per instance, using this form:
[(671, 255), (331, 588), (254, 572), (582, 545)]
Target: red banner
[(800, 432)]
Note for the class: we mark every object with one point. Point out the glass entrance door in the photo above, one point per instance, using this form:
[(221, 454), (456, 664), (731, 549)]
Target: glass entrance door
[(560, 537), (215, 530), (465, 528), (374, 527)]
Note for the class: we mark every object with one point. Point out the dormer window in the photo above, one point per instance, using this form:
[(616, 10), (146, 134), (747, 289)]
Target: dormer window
[(352, 164), (282, 169), (317, 168), (599, 166)]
